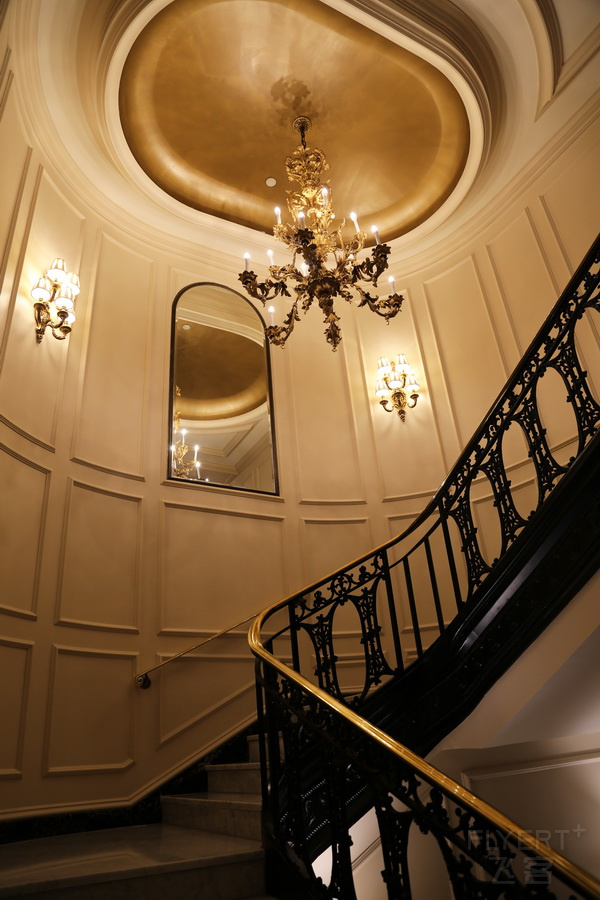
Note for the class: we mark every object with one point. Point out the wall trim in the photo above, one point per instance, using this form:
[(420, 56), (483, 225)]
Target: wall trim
[(12, 610), (27, 646)]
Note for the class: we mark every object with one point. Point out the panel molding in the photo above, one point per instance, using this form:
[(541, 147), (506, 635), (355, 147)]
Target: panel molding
[(217, 511), (12, 610), (15, 214), (310, 502), (230, 492), (58, 650), (162, 739), (544, 764), (60, 619), (571, 265), (27, 647), (99, 468), (103, 239)]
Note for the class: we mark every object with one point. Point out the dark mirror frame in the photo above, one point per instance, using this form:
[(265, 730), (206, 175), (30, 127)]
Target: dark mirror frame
[(266, 349)]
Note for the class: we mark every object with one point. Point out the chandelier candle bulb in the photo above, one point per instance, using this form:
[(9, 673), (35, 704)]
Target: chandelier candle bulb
[(247, 261), (354, 218), (57, 271), (392, 284), (278, 215), (270, 255), (301, 222), (375, 232), (196, 448), (271, 315)]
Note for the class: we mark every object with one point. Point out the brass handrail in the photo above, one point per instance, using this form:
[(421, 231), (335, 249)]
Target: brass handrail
[(580, 877), (143, 680)]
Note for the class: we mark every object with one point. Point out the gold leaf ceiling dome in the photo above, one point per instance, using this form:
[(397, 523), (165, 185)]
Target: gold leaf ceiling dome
[(209, 89)]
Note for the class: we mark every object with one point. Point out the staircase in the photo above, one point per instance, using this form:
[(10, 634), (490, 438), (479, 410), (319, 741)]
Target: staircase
[(208, 846)]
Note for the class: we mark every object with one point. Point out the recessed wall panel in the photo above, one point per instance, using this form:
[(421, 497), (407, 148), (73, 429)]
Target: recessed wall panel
[(409, 455), (100, 559), (110, 419), (15, 157), (324, 431), (328, 544), (572, 206), (24, 491), (15, 659), (523, 277), (90, 711), (204, 686), (31, 374), (472, 364), (217, 567)]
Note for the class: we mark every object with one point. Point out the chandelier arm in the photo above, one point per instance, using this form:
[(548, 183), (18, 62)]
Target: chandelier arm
[(386, 307), (264, 290), (278, 334)]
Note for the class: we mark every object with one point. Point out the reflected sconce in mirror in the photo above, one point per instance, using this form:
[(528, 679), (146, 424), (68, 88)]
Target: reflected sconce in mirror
[(54, 294), (396, 384)]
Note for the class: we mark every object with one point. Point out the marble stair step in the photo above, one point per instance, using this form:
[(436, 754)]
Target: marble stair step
[(243, 778), (237, 814), (144, 861)]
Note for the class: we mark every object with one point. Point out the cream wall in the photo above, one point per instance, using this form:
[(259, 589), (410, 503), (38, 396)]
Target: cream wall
[(107, 568)]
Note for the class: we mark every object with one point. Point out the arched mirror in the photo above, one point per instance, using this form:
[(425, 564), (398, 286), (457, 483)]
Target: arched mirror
[(221, 411)]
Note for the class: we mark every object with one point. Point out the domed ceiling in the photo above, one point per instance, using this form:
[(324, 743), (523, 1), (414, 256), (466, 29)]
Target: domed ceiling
[(210, 88)]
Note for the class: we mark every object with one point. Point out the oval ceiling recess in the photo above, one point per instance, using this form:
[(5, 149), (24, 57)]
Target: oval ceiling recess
[(210, 88)]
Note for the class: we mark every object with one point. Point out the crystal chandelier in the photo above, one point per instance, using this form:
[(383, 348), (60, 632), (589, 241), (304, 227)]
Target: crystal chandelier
[(312, 238)]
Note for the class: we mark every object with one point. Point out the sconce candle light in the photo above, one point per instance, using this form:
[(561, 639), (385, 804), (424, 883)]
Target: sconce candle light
[(398, 384), (54, 294)]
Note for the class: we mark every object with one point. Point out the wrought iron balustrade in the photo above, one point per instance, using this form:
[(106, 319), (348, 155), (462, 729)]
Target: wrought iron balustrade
[(425, 595)]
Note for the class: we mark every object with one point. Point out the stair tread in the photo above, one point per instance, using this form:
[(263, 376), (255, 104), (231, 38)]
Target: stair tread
[(99, 856), (249, 801), (234, 767)]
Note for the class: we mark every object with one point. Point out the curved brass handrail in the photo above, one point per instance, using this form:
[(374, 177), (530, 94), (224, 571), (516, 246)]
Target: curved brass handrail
[(580, 877), (143, 680)]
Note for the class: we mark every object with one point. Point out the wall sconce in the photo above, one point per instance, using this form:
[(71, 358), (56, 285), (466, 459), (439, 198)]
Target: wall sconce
[(54, 294), (396, 383)]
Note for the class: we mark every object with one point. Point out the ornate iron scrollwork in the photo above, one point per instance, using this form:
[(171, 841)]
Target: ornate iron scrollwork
[(332, 769)]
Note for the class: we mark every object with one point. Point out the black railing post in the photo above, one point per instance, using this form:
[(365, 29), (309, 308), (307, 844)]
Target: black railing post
[(392, 610)]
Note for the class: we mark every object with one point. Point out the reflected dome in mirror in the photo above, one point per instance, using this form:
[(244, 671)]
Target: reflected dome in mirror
[(221, 430), (219, 374)]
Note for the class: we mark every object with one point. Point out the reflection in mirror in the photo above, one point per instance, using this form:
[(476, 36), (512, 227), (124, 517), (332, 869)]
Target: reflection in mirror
[(221, 423)]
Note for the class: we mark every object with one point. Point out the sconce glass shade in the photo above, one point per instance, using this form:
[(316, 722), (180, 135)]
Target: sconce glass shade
[(57, 271), (381, 389), (402, 364), (395, 380), (70, 318), (64, 298), (412, 386), (383, 366), (42, 290), (72, 281)]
